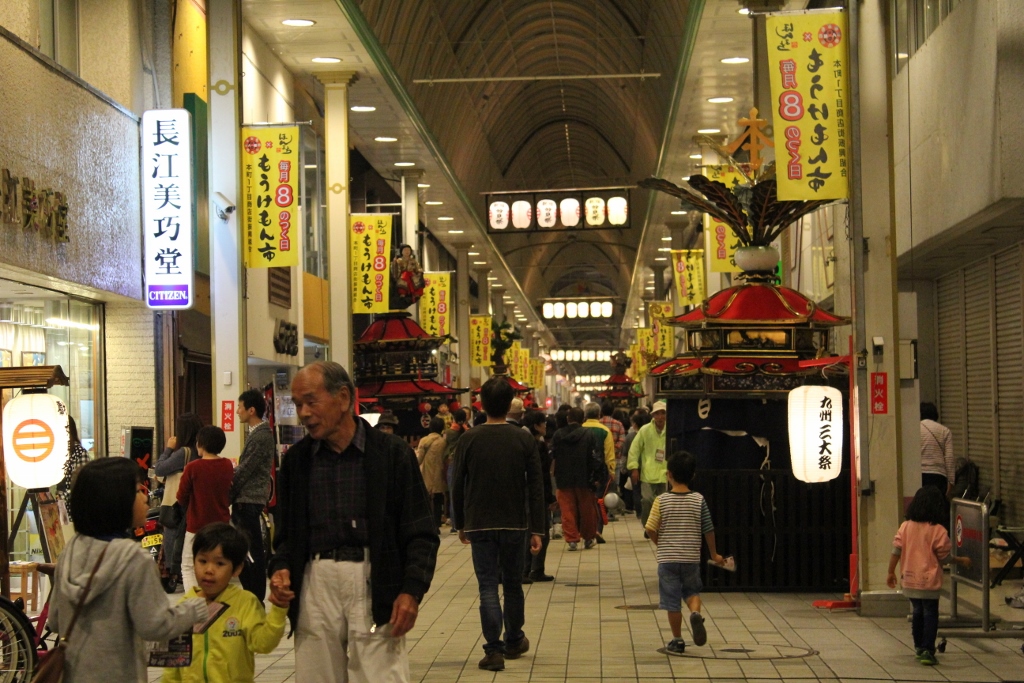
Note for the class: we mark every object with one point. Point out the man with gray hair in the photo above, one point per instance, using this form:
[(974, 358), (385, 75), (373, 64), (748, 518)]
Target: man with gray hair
[(357, 544), (515, 412)]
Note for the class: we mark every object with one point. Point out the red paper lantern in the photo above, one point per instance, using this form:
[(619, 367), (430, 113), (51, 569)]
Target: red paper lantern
[(454, 405), (424, 407)]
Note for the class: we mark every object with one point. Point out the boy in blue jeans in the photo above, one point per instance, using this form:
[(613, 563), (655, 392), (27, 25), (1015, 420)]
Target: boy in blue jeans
[(678, 519)]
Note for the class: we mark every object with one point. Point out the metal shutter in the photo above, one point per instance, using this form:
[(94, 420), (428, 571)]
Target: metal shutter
[(950, 335), (1009, 342), (978, 334)]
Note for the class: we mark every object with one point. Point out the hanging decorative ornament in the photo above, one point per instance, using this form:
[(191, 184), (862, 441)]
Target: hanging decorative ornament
[(595, 211), (497, 215), (618, 211), (35, 433), (424, 407), (816, 433), (547, 213), (522, 214), (454, 405), (569, 210)]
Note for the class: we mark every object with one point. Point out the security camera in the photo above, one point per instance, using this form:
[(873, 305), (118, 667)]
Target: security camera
[(225, 207)]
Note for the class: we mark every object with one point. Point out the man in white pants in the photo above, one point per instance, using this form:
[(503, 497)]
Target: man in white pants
[(357, 544)]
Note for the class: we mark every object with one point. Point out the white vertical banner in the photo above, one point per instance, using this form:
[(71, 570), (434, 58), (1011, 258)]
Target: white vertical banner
[(168, 200)]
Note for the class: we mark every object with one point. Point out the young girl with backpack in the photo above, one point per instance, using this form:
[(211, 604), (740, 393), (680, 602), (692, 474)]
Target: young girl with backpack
[(922, 546), (107, 597)]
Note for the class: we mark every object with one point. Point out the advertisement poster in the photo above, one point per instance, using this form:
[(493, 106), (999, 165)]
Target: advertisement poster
[(480, 340), (807, 66), (270, 216), (370, 249), (688, 275), (435, 305)]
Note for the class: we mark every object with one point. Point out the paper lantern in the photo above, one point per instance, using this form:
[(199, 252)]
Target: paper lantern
[(816, 433), (522, 214), (559, 310), (35, 440), (547, 213), (595, 211), (497, 215), (424, 407), (569, 212), (618, 210), (454, 405)]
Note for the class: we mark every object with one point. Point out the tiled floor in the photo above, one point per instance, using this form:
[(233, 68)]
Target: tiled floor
[(577, 633)]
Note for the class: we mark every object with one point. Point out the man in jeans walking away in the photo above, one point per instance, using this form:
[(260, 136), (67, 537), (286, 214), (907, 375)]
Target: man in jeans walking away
[(498, 498), (250, 488)]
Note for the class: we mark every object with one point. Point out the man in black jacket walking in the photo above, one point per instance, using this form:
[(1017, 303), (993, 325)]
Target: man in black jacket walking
[(355, 513), (497, 470), (578, 466)]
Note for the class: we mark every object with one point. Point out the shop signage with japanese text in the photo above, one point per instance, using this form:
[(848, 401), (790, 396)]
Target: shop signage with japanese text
[(39, 210), (480, 340), (271, 220), (722, 242), (658, 312), (688, 275), (435, 304), (370, 249), (167, 209), (807, 66)]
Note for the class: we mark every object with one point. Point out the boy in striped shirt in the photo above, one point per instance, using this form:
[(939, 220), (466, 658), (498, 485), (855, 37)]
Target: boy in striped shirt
[(678, 519)]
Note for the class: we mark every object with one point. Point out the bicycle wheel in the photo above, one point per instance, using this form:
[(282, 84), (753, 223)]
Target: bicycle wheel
[(17, 645)]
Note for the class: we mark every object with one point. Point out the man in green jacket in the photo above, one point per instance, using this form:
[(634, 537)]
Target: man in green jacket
[(646, 461)]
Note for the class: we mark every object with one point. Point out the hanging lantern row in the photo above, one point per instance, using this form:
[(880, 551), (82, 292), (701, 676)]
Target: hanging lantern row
[(593, 309), (567, 212), (816, 433)]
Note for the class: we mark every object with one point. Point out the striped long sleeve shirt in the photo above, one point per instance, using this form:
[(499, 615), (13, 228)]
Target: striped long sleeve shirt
[(937, 450)]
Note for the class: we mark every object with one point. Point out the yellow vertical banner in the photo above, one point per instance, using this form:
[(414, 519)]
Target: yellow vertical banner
[(807, 66), (688, 275), (722, 242), (480, 340), (538, 372), (645, 346), (512, 359), (658, 313), (524, 365), (270, 216), (435, 304), (370, 248)]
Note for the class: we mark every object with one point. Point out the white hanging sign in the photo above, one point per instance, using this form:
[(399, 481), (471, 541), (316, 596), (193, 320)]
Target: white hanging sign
[(618, 210), (816, 433), (595, 211), (522, 214), (167, 208), (35, 434), (497, 215), (547, 213), (570, 212)]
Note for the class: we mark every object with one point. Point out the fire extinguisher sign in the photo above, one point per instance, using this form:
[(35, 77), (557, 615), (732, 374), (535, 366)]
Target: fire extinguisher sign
[(879, 393), (227, 416)]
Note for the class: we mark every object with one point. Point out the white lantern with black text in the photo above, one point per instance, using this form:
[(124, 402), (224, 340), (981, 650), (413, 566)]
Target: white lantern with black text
[(816, 433), (547, 213), (595, 211), (497, 215), (36, 440)]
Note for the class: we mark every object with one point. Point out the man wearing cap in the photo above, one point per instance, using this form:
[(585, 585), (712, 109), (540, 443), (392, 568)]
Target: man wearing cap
[(646, 461)]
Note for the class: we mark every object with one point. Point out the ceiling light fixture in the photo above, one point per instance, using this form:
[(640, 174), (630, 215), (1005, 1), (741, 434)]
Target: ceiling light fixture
[(422, 186), (479, 263), (678, 213), (735, 60), (663, 249), (455, 232), (362, 109), (474, 253), (434, 203), (445, 218), (666, 239), (300, 23), (404, 164), (719, 100), (326, 60), (661, 258), (708, 131), (743, 10), (385, 138), (696, 156)]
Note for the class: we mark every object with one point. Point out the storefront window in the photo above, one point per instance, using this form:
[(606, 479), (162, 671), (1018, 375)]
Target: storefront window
[(44, 327)]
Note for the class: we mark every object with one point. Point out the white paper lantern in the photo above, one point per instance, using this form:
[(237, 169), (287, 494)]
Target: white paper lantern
[(618, 210), (569, 212), (35, 440), (548, 310), (570, 309), (559, 310), (497, 215), (606, 309), (595, 211), (522, 214), (816, 433), (583, 309), (547, 213)]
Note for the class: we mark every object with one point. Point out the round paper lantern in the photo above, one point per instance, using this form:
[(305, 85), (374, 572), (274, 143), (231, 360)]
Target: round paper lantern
[(522, 214), (454, 405), (569, 212), (816, 433), (35, 440), (497, 215), (618, 210), (547, 213), (595, 211), (424, 407)]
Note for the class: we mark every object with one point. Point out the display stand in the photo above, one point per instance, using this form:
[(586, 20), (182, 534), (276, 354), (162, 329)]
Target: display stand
[(41, 377), (968, 522), (33, 496)]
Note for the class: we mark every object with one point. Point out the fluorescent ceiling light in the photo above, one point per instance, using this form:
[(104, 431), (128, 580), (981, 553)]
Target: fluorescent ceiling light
[(405, 163), (661, 258), (325, 60), (445, 218), (60, 322), (735, 60), (474, 253), (385, 138), (708, 131), (301, 23), (663, 249), (455, 232), (743, 10), (666, 239), (678, 213), (362, 108), (696, 156), (491, 278), (479, 263), (719, 100), (310, 166), (902, 55), (422, 185), (434, 203)]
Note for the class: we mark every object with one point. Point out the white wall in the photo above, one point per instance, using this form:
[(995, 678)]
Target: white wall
[(131, 376)]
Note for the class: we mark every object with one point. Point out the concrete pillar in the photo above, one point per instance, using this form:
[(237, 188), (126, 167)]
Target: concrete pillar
[(411, 219), (227, 310), (336, 85), (483, 290), (462, 318), (660, 290)]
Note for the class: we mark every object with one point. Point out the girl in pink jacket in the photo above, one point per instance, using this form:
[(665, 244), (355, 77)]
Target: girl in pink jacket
[(922, 546)]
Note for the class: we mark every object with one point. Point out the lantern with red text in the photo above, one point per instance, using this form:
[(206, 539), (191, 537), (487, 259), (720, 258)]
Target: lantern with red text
[(816, 433), (36, 440)]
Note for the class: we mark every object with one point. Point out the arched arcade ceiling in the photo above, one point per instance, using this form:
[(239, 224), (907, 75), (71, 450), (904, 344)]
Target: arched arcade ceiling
[(544, 134)]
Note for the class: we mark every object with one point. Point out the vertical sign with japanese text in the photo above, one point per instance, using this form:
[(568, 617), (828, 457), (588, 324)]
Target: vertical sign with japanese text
[(270, 217), (480, 340), (807, 63), (722, 242), (167, 208), (512, 359), (370, 246), (227, 416), (879, 393), (435, 304), (688, 275), (524, 365), (658, 312)]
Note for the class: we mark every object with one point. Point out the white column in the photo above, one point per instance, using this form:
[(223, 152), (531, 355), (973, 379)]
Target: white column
[(227, 312), (462, 318), (411, 210), (339, 264)]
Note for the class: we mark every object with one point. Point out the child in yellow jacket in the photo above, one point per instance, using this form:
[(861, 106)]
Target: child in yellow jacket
[(225, 651)]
